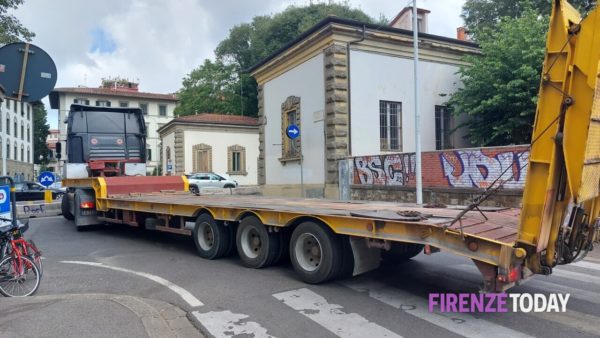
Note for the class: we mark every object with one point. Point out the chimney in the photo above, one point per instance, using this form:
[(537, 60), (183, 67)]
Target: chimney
[(404, 19), (461, 34)]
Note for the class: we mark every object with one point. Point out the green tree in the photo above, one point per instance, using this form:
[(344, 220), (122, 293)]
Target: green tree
[(221, 86), (11, 30), (479, 14), (40, 133), (501, 86)]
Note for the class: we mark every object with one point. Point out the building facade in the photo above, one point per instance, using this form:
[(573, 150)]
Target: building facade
[(51, 141), (16, 138), (348, 85), (225, 144), (158, 110)]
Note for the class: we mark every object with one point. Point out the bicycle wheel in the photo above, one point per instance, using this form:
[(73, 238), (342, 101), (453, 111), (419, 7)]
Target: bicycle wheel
[(36, 255), (19, 277)]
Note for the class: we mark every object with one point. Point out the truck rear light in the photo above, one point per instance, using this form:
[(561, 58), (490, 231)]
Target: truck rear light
[(513, 275), (87, 205)]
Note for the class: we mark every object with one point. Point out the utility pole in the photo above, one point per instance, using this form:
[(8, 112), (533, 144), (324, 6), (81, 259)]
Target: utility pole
[(417, 112)]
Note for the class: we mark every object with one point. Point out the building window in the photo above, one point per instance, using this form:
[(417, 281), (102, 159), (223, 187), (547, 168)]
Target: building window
[(236, 160), (144, 108), (28, 134), (29, 155), (168, 153), (123, 104), (7, 104), (390, 125), (28, 111), (8, 149), (22, 154), (22, 131), (201, 157), (148, 154), (15, 106), (83, 101), (22, 109), (15, 127), (8, 126), (443, 121), (102, 103), (162, 109), (15, 153), (290, 114)]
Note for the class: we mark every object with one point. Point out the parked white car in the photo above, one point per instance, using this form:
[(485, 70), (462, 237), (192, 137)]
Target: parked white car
[(210, 180)]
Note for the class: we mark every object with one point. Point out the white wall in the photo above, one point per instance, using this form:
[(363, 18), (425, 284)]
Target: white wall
[(220, 140), (168, 141), (375, 77), (307, 82)]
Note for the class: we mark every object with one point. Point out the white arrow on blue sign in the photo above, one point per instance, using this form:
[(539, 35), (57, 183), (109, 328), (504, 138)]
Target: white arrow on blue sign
[(46, 178), (293, 131)]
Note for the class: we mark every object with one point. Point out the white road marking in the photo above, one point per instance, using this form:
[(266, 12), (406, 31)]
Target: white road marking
[(544, 285), (331, 316), (587, 265), (581, 277), (459, 323), (183, 293), (574, 319), (225, 324)]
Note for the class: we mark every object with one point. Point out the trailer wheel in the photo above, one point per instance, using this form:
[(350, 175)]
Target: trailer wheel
[(316, 253), (213, 240), (256, 246), (400, 252), (64, 208)]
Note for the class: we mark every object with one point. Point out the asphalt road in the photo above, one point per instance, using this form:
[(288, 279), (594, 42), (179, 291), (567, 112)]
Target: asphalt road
[(225, 299)]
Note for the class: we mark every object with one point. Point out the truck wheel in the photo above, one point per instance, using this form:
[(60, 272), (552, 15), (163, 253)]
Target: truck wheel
[(316, 253), (400, 252), (64, 208), (257, 247), (212, 239)]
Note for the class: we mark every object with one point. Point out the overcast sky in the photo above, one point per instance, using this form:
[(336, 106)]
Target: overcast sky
[(158, 42)]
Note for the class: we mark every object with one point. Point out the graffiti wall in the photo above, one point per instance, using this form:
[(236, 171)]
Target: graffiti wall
[(463, 168)]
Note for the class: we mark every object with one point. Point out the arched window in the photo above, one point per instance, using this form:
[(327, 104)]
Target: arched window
[(202, 157), (15, 127), (15, 154), (168, 153), (8, 149), (29, 155), (28, 133), (236, 160), (22, 131), (22, 153)]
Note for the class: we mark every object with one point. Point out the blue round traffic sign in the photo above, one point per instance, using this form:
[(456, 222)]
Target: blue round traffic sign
[(293, 131), (46, 178)]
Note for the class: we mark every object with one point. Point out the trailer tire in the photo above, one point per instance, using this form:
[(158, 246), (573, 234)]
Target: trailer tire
[(400, 252), (256, 246), (64, 208), (212, 239), (316, 253)]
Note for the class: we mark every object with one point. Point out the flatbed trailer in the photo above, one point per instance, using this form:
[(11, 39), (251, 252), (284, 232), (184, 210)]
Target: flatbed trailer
[(327, 239), (368, 227)]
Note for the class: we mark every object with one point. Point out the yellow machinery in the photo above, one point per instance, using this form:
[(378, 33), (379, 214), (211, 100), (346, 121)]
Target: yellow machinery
[(560, 201)]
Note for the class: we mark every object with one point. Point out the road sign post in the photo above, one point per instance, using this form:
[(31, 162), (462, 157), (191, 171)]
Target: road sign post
[(292, 133)]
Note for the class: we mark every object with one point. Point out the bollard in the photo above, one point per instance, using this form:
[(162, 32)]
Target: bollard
[(48, 196)]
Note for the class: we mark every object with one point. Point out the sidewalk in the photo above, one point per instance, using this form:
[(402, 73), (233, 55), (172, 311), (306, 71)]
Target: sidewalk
[(92, 315)]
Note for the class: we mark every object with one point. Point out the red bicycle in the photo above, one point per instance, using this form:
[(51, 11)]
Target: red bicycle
[(20, 261), (19, 273)]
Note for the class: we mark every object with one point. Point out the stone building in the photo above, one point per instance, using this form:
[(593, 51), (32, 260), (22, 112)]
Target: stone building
[(225, 144), (16, 138), (348, 85)]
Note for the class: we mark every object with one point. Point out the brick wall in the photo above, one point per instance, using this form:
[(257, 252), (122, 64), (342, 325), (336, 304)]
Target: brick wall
[(450, 176)]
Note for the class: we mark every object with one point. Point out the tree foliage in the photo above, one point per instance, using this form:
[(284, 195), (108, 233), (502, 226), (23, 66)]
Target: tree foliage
[(11, 30), (480, 14), (40, 133), (501, 85), (221, 86)]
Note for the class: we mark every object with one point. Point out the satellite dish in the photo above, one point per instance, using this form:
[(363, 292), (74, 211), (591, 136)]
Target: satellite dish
[(27, 72)]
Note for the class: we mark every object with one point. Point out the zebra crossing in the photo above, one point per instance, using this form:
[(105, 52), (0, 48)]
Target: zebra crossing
[(338, 318)]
